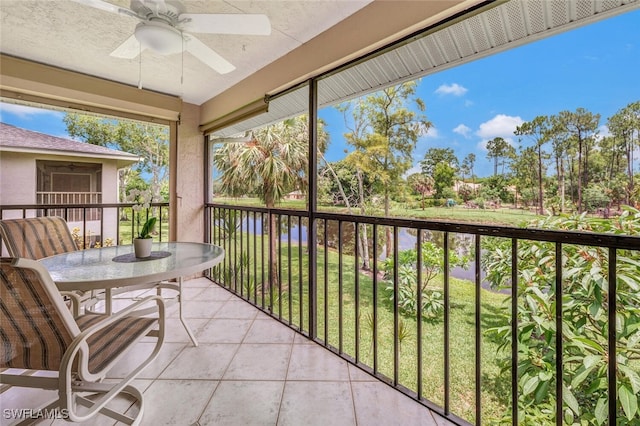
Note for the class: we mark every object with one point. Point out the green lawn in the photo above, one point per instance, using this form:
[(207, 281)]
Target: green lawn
[(502, 216)]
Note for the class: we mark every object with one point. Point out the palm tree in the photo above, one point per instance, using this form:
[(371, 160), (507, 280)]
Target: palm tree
[(274, 163)]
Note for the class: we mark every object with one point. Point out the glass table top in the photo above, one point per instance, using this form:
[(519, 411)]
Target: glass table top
[(95, 268)]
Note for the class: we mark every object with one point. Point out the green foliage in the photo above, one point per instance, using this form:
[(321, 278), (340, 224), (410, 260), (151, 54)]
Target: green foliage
[(441, 165), (147, 140), (432, 303), (229, 228), (272, 164), (495, 188), (595, 197), (148, 228), (585, 303), (500, 151), (384, 134), (435, 156), (443, 178)]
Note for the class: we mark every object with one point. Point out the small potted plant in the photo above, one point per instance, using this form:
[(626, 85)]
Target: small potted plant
[(142, 243), (142, 201)]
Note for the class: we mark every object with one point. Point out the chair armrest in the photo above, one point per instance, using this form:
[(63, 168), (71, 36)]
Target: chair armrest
[(74, 347), (66, 369)]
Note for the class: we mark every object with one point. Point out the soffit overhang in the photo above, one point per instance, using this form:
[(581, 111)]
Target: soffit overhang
[(477, 33)]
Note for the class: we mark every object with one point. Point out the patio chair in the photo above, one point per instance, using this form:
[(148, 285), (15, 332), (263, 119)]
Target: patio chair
[(44, 346), (37, 237)]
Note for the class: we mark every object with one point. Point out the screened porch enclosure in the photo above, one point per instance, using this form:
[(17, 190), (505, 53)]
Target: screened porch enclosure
[(60, 182)]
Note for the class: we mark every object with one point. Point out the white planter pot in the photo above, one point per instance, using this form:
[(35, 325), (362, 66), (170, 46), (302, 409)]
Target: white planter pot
[(142, 247)]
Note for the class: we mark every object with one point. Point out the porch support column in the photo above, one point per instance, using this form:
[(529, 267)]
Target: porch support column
[(187, 177)]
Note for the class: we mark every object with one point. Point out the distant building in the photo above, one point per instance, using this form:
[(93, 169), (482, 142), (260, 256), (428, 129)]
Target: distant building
[(458, 184), (295, 195), (36, 168)]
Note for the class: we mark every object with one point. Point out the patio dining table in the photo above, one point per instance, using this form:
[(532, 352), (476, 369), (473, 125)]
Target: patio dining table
[(116, 267)]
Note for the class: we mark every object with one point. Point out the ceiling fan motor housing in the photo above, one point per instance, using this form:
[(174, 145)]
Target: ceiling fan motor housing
[(159, 37)]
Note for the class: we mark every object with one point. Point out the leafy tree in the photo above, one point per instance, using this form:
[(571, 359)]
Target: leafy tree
[(612, 153), (525, 175), (441, 164), (625, 126), (495, 188), (435, 156), (341, 185), (467, 167), (344, 184), (421, 184), (585, 304), (384, 133), (275, 162), (595, 197), (149, 141), (500, 151), (560, 154), (443, 179), (538, 130), (579, 128)]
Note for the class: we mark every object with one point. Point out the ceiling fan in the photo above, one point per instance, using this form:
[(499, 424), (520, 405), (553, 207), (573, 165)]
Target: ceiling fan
[(166, 29)]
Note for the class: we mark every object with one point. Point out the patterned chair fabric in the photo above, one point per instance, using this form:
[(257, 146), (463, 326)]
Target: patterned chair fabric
[(38, 332), (37, 237)]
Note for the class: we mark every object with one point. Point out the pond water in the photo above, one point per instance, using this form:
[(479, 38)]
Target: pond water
[(463, 244)]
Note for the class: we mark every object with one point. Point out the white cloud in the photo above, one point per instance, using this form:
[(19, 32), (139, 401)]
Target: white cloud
[(25, 112), (499, 126), (603, 132), (463, 130), (451, 89), (432, 132)]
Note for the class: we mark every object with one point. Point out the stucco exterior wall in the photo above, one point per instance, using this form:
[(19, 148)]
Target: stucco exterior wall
[(17, 178), (189, 169), (18, 184)]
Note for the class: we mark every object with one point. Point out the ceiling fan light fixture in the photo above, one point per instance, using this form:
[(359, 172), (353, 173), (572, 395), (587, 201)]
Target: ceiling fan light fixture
[(159, 37)]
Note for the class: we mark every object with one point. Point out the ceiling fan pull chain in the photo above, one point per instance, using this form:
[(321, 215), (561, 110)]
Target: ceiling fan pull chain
[(140, 68), (182, 66)]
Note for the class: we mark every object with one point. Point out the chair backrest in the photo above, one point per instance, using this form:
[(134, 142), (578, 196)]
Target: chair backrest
[(37, 237), (36, 326)]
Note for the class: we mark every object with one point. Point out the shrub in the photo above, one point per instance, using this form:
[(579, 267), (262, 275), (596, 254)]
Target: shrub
[(585, 302), (432, 301)]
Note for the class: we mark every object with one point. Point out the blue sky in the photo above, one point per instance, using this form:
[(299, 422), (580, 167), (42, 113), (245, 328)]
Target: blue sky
[(595, 67)]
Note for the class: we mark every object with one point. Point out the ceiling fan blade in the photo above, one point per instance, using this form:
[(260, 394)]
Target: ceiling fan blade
[(207, 56), (129, 49), (221, 23), (107, 7)]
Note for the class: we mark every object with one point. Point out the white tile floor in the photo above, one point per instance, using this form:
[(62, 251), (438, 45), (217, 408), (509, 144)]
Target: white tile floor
[(248, 369)]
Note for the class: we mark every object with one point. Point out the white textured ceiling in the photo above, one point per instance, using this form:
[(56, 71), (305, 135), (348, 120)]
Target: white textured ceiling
[(73, 36)]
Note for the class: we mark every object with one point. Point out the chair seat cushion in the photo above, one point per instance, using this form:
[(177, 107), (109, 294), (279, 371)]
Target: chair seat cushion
[(107, 344)]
